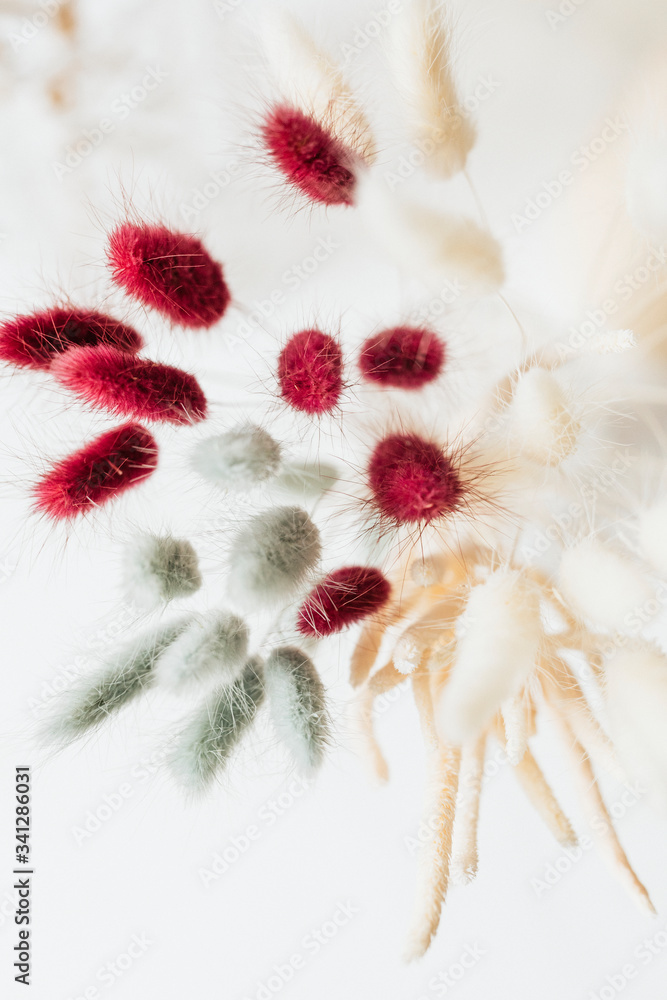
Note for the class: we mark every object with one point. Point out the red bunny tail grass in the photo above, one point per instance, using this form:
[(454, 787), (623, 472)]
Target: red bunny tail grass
[(170, 272), (309, 157), (310, 372), (404, 357), (412, 480), (34, 341), (97, 473), (343, 597), (131, 387)]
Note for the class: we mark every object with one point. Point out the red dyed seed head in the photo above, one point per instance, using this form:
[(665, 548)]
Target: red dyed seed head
[(404, 357), (98, 472), (34, 341), (342, 598), (170, 272), (310, 372), (129, 386), (412, 480), (309, 157)]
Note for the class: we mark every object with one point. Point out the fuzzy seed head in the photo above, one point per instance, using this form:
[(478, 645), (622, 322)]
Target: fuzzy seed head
[(213, 647), (310, 372), (542, 421), (298, 706), (97, 473), (159, 568), (239, 459), (412, 481), (309, 157), (34, 341), (604, 585), (342, 598), (403, 357), (168, 271), (108, 379)]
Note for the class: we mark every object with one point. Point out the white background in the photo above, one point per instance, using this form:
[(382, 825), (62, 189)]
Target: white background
[(345, 841)]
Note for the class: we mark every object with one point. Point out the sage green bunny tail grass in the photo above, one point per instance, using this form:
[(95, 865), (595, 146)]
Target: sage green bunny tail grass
[(206, 743), (131, 671), (213, 646), (298, 708)]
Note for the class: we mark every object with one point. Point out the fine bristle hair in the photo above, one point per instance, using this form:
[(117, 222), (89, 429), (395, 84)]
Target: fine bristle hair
[(310, 372), (636, 699), (213, 646), (342, 598), (126, 386), (271, 555), (652, 525), (402, 357), (498, 641), (298, 707), (97, 473), (168, 271), (429, 242), (421, 60), (603, 585), (412, 480), (208, 740), (131, 671), (239, 459), (159, 568), (307, 77), (543, 426), (34, 341)]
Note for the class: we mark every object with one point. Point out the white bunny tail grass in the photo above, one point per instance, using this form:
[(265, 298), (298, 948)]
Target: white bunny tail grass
[(433, 628), (435, 855), (598, 816), (239, 459), (420, 51), (498, 642), (307, 77), (208, 740), (272, 555), (604, 586), (543, 425), (298, 706), (653, 535), (214, 646), (429, 242), (636, 696), (380, 683), (159, 568), (515, 720), (465, 857), (94, 699), (366, 650), (540, 795)]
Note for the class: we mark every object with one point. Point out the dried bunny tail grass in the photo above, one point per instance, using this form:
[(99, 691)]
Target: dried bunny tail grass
[(515, 714), (435, 856), (543, 425), (499, 639), (159, 568), (429, 242), (370, 640), (431, 629), (342, 598), (598, 816), (380, 683), (465, 857), (271, 556), (34, 341), (539, 793), (206, 743), (308, 78), (652, 525), (636, 697), (213, 647), (94, 699), (97, 473), (298, 706), (310, 372), (603, 585), (420, 51), (239, 459)]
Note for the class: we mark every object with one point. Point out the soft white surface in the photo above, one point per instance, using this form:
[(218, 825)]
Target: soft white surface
[(303, 854)]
